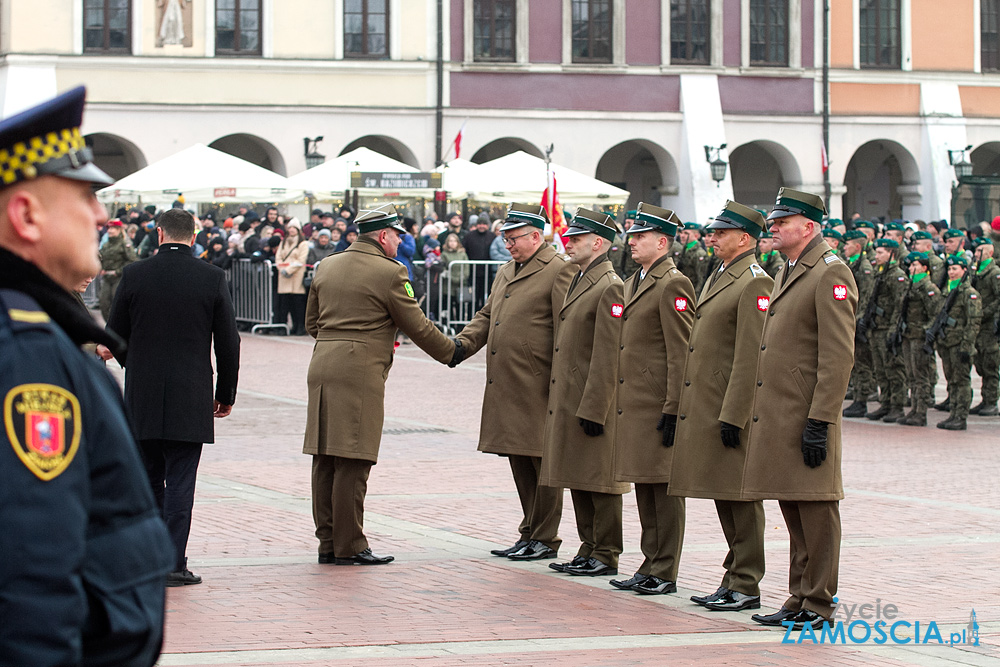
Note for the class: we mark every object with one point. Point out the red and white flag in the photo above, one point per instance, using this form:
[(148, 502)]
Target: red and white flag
[(456, 143), (824, 161), (550, 202)]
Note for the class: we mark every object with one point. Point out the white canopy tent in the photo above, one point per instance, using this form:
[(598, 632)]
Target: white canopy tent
[(201, 174), (329, 180), (521, 177), (461, 178)]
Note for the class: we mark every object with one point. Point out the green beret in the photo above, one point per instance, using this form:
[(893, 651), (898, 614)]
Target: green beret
[(378, 218), (649, 218), (917, 257), (737, 216), (794, 202), (863, 224), (921, 236), (693, 226), (980, 240), (896, 225), (765, 234), (832, 234), (854, 234), (892, 244), (592, 222), (953, 233), (833, 222), (957, 260)]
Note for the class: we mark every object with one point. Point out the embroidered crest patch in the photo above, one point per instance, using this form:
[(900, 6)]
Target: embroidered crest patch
[(617, 309), (43, 425), (680, 304), (409, 289), (763, 302), (840, 292)]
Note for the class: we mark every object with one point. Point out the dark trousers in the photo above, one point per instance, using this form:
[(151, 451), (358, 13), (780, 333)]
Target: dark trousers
[(339, 486), (662, 519), (294, 305), (599, 524), (814, 534), (743, 525), (172, 467), (541, 505)]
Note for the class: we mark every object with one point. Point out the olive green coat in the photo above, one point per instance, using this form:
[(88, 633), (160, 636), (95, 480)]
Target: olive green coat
[(807, 351), (583, 385), (359, 298), (719, 378), (516, 328), (656, 324)]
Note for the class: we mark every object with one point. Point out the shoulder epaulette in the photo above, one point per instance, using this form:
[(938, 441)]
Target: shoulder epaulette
[(22, 311)]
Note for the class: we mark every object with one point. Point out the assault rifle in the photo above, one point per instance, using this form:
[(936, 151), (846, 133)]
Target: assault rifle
[(943, 318)]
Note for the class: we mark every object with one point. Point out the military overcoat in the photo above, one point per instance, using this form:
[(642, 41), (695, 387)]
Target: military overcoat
[(656, 323), (806, 355), (359, 298), (719, 378), (583, 385), (516, 328)]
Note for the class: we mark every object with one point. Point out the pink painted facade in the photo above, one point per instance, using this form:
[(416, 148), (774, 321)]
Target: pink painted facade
[(642, 27)]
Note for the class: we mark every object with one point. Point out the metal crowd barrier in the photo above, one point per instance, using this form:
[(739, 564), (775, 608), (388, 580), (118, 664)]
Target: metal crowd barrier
[(452, 298), (253, 294)]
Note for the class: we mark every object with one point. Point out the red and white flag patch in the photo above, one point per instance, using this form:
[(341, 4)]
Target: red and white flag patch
[(840, 292), (617, 309), (763, 302), (680, 304)]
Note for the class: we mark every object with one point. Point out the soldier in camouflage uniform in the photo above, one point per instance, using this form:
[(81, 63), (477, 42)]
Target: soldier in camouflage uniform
[(693, 259), (921, 304), (956, 342), (924, 242), (862, 381), (986, 281), (116, 254), (890, 286), (625, 266), (869, 230), (954, 242), (769, 259)]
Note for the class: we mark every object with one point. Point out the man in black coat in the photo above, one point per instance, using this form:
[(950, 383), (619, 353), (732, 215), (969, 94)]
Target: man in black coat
[(168, 309), (477, 246)]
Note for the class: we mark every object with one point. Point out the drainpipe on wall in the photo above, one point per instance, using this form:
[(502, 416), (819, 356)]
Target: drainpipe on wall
[(439, 111), (826, 100)]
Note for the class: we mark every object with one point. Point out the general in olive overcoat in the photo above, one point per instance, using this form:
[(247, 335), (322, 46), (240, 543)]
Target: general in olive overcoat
[(806, 355), (583, 385), (719, 378), (359, 298)]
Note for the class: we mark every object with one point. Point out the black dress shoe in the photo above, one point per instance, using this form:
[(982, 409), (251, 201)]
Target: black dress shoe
[(627, 584), (561, 567), (520, 544), (807, 617), (366, 557), (655, 586), (702, 599), (183, 578), (776, 618), (734, 601), (534, 550), (327, 558), (591, 568)]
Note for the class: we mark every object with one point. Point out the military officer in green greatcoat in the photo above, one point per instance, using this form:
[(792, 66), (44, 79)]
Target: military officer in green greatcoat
[(986, 281), (769, 259), (116, 254), (956, 341), (862, 379), (656, 323), (890, 285), (693, 258), (715, 402), (794, 443), (578, 452), (921, 304)]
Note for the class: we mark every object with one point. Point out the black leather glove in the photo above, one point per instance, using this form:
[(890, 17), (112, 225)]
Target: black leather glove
[(593, 429), (730, 435), (667, 424), (814, 443), (964, 357), (459, 355)]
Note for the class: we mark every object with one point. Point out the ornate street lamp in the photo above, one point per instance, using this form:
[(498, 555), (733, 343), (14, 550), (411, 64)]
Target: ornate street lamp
[(718, 165), (963, 168), (313, 157)]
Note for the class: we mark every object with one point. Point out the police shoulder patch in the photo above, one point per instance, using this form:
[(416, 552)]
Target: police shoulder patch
[(409, 289), (756, 270), (43, 425)]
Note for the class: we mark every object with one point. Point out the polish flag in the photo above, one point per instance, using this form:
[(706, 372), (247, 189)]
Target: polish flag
[(550, 202), (824, 161)]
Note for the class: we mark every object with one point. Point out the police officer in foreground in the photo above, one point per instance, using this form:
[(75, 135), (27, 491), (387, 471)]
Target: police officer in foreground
[(656, 324), (359, 299), (960, 316), (921, 303), (85, 553), (986, 281), (862, 379), (884, 313), (716, 398), (516, 327), (794, 444), (579, 444)]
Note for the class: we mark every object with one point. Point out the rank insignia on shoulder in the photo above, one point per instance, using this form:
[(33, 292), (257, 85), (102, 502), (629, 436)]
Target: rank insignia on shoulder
[(830, 259), (409, 289), (756, 270), (29, 316), (43, 425)]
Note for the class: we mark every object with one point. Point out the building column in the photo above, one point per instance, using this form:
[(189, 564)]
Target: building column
[(699, 197), (943, 129)]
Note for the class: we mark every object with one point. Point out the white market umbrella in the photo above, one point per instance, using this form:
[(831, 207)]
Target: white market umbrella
[(201, 174), (521, 177), (329, 180)]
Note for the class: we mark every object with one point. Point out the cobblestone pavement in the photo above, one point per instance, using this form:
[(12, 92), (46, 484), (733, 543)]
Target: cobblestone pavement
[(921, 531)]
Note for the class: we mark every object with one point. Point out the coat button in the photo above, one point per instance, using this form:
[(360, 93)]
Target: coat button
[(550, 412), (763, 347), (755, 417), (760, 383), (619, 410), (621, 347), (770, 313), (562, 318), (697, 315), (498, 323), (553, 380), (624, 317), (683, 416), (490, 381), (691, 348), (621, 380), (687, 383), (493, 351), (506, 296), (557, 349)]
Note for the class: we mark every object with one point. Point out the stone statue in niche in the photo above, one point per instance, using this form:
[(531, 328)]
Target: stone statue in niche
[(174, 20)]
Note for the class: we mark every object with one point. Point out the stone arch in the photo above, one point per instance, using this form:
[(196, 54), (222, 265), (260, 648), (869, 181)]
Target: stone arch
[(758, 168), (985, 159), (117, 156), (387, 146), (642, 167), (505, 146), (882, 181), (252, 148)]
